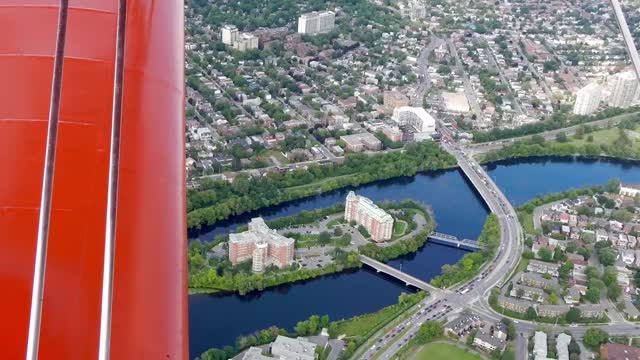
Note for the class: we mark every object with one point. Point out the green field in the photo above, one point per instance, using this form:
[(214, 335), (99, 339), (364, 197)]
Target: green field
[(399, 228), (444, 351)]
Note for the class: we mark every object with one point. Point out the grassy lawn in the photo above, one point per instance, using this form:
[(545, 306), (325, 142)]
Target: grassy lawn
[(399, 228), (363, 324), (332, 223), (527, 222), (445, 351), (604, 136)]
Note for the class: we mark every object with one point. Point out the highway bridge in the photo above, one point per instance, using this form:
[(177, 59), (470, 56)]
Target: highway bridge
[(402, 276), (452, 240)]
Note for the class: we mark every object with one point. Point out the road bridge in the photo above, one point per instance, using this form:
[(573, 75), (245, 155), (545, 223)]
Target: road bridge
[(402, 276), (452, 240)]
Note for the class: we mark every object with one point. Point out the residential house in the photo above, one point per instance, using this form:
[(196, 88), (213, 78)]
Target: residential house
[(613, 351), (540, 345), (488, 342), (573, 296), (527, 292), (536, 280), (592, 311), (552, 311), (462, 324), (542, 267), (509, 303)]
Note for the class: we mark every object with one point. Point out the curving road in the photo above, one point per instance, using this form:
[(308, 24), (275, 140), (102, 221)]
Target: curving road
[(474, 294)]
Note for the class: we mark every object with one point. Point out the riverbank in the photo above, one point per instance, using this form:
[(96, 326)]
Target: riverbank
[(354, 331), (209, 268), (620, 143), (217, 200)]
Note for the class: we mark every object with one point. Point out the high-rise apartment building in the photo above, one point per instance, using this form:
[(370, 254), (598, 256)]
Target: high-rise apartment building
[(261, 245), (624, 86), (414, 10), (416, 117), (588, 99), (229, 34), (238, 40), (245, 42), (316, 22), (364, 212)]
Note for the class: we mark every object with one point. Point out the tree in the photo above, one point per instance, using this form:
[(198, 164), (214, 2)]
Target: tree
[(565, 270), (531, 313), (324, 238), (337, 231), (545, 254), (613, 186), (607, 256), (558, 255), (553, 299), (594, 337), (561, 137), (430, 330), (614, 291), (610, 275), (573, 315), (592, 295)]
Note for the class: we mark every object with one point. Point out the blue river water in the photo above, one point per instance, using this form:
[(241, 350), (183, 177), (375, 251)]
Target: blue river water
[(217, 320)]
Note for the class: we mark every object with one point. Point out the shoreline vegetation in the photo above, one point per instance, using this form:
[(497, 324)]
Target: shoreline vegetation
[(356, 330), (559, 120), (218, 200), (208, 275), (614, 142)]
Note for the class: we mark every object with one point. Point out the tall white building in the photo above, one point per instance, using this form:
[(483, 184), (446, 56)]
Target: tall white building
[(229, 34), (588, 99), (316, 22), (245, 42), (624, 86), (364, 212), (414, 10), (416, 117)]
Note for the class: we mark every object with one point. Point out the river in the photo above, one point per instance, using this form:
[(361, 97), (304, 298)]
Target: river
[(216, 320)]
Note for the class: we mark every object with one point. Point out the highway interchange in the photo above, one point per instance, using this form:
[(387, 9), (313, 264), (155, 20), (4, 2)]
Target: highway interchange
[(474, 294)]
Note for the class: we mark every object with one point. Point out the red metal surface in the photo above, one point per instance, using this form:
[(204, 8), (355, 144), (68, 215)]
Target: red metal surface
[(149, 304)]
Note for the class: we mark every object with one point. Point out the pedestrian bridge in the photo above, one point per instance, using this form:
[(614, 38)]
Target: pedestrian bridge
[(452, 240), (391, 271)]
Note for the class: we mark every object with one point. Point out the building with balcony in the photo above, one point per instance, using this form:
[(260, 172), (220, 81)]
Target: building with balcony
[(364, 212), (316, 22), (261, 245), (552, 311), (513, 304), (542, 267), (623, 86), (536, 280), (588, 99), (416, 117)]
